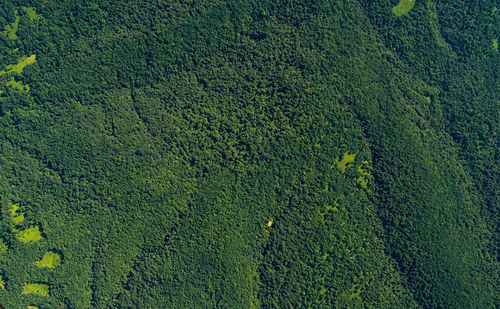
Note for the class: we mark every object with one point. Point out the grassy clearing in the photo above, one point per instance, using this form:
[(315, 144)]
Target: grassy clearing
[(30, 235), (16, 217), (18, 68), (18, 85), (50, 260), (36, 288), (403, 7), (11, 30), (21, 64), (31, 12), (346, 162)]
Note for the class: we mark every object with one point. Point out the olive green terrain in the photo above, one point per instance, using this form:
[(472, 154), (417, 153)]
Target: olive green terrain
[(249, 154)]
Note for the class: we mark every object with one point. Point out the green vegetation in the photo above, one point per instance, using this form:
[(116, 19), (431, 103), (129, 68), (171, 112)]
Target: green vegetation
[(347, 296), (36, 288), (249, 154), (17, 84), (403, 7), (50, 260), (19, 67), (2, 283), (30, 235), (346, 161), (17, 217), (3, 247), (31, 12), (11, 30), (362, 179), (495, 44)]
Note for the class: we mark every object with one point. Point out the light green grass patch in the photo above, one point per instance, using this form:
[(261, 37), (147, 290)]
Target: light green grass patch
[(17, 217), (346, 161), (50, 260), (19, 67), (403, 7), (30, 235), (11, 30), (36, 288), (21, 64), (18, 85), (495, 45), (31, 12)]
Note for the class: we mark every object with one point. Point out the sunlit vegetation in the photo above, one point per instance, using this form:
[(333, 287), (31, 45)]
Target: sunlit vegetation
[(364, 174), (16, 215), (36, 288), (30, 235), (345, 162), (31, 12), (3, 247), (17, 84), (403, 7), (50, 260), (351, 294), (19, 67), (10, 30)]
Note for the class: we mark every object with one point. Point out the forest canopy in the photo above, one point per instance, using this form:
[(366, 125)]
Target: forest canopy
[(249, 154)]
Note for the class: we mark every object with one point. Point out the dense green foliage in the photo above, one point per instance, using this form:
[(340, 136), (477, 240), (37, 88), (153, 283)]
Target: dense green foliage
[(243, 154)]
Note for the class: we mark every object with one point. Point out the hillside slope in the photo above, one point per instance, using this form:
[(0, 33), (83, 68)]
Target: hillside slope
[(232, 154)]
